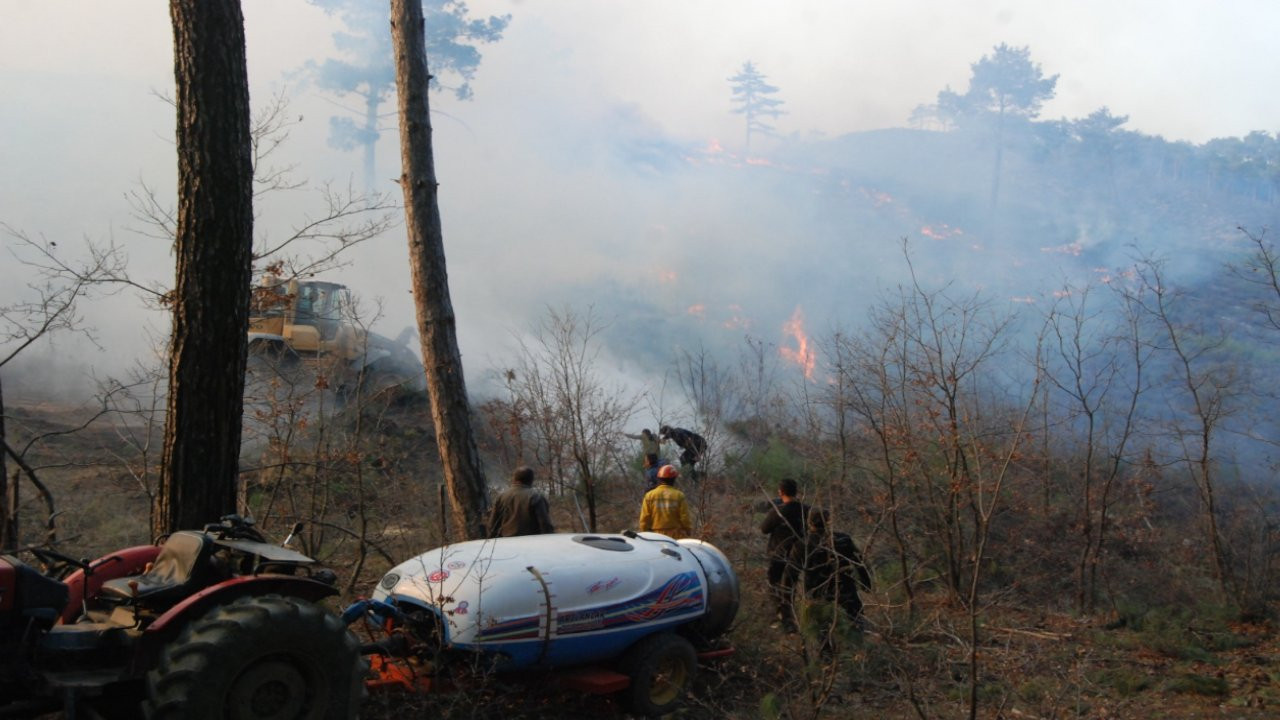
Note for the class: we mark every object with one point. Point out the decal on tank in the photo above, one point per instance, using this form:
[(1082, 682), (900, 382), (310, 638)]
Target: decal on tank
[(525, 628), (679, 596), (601, 585)]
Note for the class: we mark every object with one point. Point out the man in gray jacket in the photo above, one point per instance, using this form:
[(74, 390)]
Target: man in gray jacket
[(520, 510)]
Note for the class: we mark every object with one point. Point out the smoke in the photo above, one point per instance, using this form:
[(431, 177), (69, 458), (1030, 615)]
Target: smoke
[(598, 165)]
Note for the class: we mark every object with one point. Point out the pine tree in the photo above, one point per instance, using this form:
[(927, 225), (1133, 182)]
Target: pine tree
[(214, 251), (752, 95)]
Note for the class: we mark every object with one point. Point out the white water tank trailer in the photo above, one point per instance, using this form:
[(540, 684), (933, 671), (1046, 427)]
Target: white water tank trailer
[(562, 599)]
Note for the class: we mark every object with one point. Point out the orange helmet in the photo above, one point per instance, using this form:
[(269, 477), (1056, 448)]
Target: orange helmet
[(668, 472)]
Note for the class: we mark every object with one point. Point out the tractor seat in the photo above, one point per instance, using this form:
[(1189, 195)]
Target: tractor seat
[(185, 564)]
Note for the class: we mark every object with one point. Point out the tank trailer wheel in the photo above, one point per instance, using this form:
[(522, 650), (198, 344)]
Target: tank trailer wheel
[(661, 669), (259, 658)]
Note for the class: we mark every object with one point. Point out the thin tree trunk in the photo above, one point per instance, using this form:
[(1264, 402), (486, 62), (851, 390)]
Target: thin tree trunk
[(11, 510), (995, 173), (436, 323), (213, 247), (51, 530), (371, 140), (8, 496)]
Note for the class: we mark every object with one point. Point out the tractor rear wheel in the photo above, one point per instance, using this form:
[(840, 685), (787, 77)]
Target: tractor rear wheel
[(259, 658), (661, 668)]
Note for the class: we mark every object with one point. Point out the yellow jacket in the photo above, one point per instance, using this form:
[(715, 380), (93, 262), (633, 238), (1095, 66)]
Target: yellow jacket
[(664, 510)]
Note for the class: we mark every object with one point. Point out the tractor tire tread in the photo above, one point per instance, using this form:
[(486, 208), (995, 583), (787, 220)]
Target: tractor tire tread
[(196, 671)]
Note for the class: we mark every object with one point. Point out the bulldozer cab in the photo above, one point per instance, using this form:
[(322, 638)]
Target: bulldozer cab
[(311, 316), (320, 321), (320, 305)]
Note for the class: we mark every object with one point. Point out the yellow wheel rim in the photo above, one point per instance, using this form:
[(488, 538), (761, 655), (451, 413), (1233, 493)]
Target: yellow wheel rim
[(668, 681)]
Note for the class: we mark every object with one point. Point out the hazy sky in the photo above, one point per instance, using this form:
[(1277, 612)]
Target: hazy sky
[(527, 197), (1183, 69)]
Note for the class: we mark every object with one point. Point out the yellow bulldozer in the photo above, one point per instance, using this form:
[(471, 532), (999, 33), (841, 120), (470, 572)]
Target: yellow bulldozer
[(313, 322)]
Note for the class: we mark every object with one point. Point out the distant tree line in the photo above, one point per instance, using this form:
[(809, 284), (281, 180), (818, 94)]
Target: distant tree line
[(1002, 104)]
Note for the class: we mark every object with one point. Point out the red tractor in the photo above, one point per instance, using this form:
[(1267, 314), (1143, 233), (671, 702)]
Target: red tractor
[(217, 623)]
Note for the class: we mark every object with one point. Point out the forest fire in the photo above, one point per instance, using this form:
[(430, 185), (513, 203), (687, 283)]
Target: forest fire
[(1073, 249), (737, 319), (879, 198), (940, 232), (802, 354)]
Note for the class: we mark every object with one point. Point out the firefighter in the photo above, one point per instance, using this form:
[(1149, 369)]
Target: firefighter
[(664, 508)]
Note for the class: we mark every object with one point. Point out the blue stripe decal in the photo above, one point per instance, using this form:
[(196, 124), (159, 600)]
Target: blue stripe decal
[(679, 596)]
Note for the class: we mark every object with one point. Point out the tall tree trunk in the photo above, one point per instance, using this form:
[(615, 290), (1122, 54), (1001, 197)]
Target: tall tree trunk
[(996, 169), (436, 323), (8, 497), (371, 103), (213, 247)]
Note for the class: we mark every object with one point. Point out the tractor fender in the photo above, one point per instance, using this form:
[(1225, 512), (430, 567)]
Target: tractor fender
[(168, 625), (121, 563)]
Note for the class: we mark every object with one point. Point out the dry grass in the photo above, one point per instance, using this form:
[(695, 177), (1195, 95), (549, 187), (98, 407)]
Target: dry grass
[(1036, 659)]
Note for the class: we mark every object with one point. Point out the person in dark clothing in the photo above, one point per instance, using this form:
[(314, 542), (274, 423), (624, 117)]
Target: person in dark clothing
[(651, 464), (831, 565), (692, 445), (520, 510), (784, 523)]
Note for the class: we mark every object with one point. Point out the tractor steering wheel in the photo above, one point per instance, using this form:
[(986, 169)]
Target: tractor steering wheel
[(55, 563), (235, 527)]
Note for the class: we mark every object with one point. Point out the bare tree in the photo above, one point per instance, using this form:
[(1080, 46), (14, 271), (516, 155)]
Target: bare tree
[(1096, 367), (137, 414), (873, 393), (1208, 384), (709, 389), (1262, 270), (335, 220), (758, 404), (948, 344), (214, 250), (51, 308), (450, 411), (571, 418)]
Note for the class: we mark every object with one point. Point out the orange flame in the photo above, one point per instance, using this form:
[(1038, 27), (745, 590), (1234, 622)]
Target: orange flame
[(699, 310), (737, 320), (1074, 249), (803, 354), (940, 232), (878, 198)]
